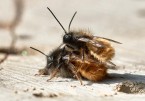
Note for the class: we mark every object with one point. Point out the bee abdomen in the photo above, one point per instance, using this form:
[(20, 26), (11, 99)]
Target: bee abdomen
[(102, 54), (93, 72)]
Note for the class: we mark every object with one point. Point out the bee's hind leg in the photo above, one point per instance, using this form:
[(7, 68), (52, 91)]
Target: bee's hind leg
[(77, 75), (72, 68)]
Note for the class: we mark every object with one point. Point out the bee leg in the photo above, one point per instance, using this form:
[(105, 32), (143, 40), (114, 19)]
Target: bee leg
[(83, 55), (55, 72), (112, 63), (78, 76), (43, 72), (73, 69)]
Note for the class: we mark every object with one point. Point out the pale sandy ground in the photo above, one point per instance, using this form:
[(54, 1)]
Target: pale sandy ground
[(122, 20)]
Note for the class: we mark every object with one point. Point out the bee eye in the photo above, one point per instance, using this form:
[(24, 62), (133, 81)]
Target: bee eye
[(67, 38)]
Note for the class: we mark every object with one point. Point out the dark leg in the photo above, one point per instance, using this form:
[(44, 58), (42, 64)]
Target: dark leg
[(58, 67), (43, 71), (111, 63), (77, 75), (83, 55), (55, 71), (66, 60)]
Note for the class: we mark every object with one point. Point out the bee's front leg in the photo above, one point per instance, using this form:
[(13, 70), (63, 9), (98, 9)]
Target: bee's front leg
[(55, 71)]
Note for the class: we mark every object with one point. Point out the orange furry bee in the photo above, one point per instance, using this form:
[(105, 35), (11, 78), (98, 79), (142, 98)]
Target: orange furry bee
[(95, 47)]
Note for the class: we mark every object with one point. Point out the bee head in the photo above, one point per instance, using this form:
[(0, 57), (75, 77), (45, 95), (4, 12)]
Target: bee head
[(71, 40), (67, 38), (49, 57)]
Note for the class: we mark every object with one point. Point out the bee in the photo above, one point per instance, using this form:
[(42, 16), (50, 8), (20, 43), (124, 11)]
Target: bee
[(95, 47), (65, 64), (55, 60), (58, 64)]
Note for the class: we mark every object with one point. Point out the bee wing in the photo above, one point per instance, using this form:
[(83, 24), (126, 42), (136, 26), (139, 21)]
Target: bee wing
[(84, 39), (108, 39), (94, 43)]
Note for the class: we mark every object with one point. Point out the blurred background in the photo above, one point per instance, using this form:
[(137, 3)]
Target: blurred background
[(25, 23)]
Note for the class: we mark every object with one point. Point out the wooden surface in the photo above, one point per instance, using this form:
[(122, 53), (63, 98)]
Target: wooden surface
[(121, 20), (18, 80)]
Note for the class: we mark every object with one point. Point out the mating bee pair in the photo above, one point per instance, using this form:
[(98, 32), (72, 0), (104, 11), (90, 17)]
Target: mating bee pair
[(80, 55)]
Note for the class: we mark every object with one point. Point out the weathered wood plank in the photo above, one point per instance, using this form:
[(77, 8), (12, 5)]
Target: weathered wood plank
[(119, 20), (18, 73)]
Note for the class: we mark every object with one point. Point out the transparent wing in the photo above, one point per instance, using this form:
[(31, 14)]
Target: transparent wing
[(107, 39), (94, 43)]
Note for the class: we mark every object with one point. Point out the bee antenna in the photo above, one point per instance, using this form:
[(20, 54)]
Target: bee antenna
[(38, 51), (57, 20), (71, 20)]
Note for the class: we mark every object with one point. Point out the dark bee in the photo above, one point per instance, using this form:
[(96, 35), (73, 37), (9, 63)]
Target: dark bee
[(55, 60), (58, 64), (61, 63), (95, 47)]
